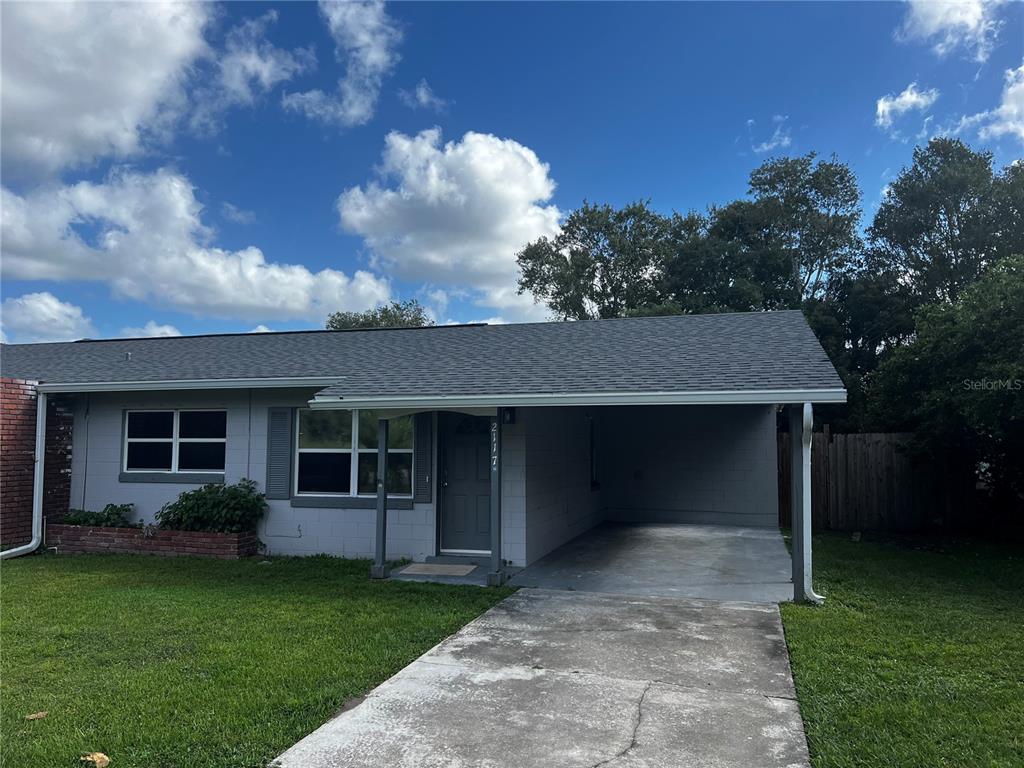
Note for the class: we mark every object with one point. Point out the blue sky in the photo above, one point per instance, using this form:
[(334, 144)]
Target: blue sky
[(204, 168)]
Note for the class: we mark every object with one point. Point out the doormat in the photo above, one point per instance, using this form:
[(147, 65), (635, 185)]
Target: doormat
[(438, 569)]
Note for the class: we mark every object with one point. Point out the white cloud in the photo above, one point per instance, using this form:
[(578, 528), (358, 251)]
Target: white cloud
[(780, 138), (142, 233), (422, 97), (891, 107), (1008, 118), (232, 212), (37, 317), (456, 213), (150, 329), (261, 328), (248, 68), (952, 24), (86, 80), (366, 39)]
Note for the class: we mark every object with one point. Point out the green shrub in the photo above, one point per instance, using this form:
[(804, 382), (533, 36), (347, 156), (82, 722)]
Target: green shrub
[(215, 509), (111, 516)]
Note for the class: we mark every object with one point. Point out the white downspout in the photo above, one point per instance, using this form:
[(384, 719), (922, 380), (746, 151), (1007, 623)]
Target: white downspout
[(37, 484)]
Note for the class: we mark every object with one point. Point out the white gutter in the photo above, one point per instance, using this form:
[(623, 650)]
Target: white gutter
[(37, 485), (721, 397), (139, 386)]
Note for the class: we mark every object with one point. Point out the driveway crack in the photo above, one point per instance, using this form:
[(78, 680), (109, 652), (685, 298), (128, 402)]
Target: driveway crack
[(636, 728)]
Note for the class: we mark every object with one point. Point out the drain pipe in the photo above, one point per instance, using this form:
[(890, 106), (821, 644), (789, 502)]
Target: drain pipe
[(37, 484)]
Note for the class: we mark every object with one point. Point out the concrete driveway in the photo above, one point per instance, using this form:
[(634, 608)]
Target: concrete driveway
[(559, 679), (716, 562)]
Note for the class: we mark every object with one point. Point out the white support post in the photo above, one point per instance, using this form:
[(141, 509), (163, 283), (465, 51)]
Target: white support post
[(801, 422)]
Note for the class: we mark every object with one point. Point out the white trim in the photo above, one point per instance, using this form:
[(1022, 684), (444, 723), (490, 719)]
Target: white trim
[(353, 451), (180, 384), (175, 440), (721, 397)]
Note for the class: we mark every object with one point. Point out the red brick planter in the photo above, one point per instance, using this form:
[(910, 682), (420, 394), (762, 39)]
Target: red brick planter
[(88, 539)]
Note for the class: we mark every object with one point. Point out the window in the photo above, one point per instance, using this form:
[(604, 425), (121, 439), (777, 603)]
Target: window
[(175, 441), (337, 454)]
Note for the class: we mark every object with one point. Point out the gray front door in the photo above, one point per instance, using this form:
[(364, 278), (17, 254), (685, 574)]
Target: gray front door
[(465, 483)]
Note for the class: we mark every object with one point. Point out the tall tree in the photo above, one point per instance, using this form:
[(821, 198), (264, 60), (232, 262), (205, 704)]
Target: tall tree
[(810, 210), (935, 226), (603, 262), (397, 314)]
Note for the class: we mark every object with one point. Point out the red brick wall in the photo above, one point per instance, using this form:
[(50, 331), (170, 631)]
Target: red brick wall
[(84, 539), (17, 448)]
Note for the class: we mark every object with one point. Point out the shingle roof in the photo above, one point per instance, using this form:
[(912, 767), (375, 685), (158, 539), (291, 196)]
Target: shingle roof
[(742, 351)]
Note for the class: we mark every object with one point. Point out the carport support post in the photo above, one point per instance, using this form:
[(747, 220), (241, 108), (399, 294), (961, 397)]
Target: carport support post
[(801, 422), (379, 569), (496, 577)]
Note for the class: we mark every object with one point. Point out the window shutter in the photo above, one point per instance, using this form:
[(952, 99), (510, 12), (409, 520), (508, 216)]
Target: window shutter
[(279, 453), (424, 453)]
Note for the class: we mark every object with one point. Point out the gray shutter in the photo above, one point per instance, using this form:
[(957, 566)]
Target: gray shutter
[(424, 454), (279, 453)]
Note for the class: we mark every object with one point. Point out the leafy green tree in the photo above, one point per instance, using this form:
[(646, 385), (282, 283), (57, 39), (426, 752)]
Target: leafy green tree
[(603, 262), (863, 318), (810, 211), (937, 225), (397, 314), (798, 228), (960, 384)]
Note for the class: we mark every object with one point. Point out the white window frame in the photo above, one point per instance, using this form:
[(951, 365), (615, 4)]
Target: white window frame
[(175, 440), (354, 451)]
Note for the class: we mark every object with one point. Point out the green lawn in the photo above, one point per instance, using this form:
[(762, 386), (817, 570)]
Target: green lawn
[(185, 662), (916, 658)]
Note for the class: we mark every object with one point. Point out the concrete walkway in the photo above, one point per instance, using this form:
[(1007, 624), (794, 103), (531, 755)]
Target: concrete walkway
[(558, 679), (708, 561)]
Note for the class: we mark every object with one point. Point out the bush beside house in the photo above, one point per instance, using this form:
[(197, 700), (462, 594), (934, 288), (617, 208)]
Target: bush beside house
[(212, 521)]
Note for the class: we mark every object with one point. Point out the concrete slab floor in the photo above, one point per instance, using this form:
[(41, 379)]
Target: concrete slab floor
[(715, 562), (580, 680)]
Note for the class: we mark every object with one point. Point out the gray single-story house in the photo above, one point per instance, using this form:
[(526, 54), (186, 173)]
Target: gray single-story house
[(497, 441)]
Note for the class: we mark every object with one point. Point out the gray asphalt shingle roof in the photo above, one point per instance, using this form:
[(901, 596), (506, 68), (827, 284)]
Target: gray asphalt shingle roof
[(741, 351)]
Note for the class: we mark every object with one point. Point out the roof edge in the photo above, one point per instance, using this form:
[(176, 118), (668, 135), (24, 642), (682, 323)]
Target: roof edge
[(173, 384), (511, 400)]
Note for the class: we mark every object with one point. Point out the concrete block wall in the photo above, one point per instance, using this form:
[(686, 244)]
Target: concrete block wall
[(286, 529), (689, 464), (349, 532), (560, 503), (18, 400), (513, 493)]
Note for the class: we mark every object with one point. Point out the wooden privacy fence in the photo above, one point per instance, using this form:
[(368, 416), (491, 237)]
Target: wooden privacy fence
[(869, 482)]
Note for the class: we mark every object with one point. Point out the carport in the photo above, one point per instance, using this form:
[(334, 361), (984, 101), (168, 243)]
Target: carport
[(654, 421)]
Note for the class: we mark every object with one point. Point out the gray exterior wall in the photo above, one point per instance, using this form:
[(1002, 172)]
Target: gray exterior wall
[(546, 497), (286, 530), (672, 464), (689, 464), (560, 503)]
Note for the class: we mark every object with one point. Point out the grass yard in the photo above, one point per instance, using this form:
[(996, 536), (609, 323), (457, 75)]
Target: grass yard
[(916, 658), (162, 663)]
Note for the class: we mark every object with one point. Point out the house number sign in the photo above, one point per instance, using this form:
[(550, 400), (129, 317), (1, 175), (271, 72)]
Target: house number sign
[(494, 446)]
